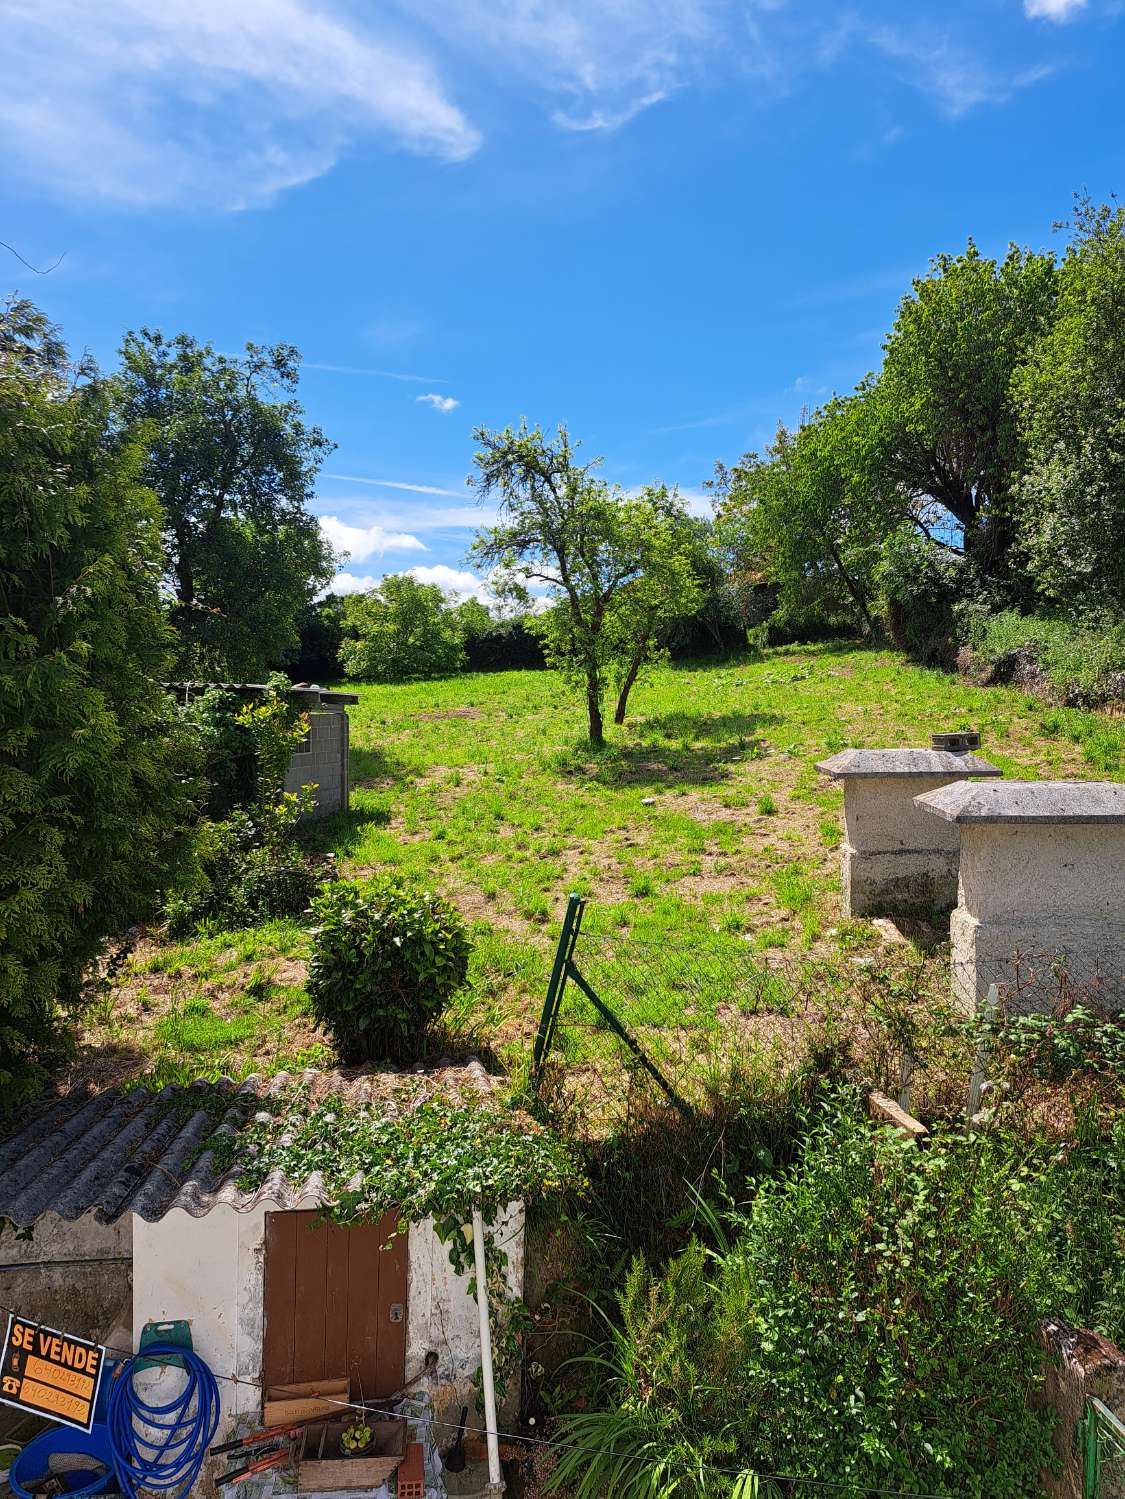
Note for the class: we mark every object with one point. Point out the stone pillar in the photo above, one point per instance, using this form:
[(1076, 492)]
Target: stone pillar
[(1041, 908), (896, 860)]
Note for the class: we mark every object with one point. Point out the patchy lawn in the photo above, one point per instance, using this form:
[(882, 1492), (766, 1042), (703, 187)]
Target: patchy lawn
[(704, 815)]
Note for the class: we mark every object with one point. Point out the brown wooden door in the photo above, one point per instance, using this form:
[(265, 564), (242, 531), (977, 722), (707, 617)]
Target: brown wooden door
[(335, 1303)]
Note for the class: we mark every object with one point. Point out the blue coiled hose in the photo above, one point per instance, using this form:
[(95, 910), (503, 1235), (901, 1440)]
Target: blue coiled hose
[(162, 1447)]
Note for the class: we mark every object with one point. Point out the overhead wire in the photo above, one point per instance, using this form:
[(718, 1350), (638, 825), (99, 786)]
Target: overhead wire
[(368, 1408)]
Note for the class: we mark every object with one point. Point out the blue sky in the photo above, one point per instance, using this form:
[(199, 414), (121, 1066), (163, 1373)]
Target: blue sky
[(667, 224)]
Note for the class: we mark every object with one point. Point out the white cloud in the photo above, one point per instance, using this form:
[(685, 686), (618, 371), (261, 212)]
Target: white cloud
[(220, 103), (351, 369), (604, 60), (361, 542), (1052, 10), (457, 581), (440, 403), (393, 484)]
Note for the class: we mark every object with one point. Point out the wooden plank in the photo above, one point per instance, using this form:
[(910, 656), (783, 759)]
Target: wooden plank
[(391, 1353), (300, 1402), (336, 1308), (278, 1292), (885, 1109), (309, 1303), (363, 1311)]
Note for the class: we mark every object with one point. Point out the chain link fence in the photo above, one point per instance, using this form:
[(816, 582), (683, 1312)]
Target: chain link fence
[(1102, 1439), (630, 1020)]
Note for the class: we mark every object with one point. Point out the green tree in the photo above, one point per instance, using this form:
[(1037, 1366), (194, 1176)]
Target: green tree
[(611, 563), (92, 797), (805, 516), (402, 631), (940, 428), (1070, 397), (232, 461)]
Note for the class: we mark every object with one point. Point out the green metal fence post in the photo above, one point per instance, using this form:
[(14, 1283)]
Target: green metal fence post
[(563, 953)]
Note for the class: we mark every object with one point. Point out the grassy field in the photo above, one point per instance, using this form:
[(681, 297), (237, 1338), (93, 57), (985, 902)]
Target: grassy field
[(704, 816)]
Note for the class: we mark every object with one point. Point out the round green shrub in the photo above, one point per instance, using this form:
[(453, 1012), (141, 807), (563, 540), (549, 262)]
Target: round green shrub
[(387, 957)]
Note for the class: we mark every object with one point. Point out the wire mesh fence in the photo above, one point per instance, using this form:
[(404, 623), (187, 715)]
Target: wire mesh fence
[(1102, 1437), (629, 1019)]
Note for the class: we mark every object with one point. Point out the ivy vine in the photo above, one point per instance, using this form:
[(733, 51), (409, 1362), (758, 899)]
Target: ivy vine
[(439, 1159)]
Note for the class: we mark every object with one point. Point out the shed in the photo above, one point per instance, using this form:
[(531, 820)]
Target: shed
[(126, 1182), (321, 759)]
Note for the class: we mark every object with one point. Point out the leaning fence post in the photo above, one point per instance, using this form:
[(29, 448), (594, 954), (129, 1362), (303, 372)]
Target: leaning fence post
[(567, 938), (976, 1086), (905, 1078)]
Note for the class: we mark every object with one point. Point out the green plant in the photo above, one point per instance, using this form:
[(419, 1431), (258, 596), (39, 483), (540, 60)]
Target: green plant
[(92, 765), (387, 956), (766, 805)]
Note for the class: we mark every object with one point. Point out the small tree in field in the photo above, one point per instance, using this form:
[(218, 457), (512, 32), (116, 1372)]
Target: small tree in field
[(402, 631), (617, 568)]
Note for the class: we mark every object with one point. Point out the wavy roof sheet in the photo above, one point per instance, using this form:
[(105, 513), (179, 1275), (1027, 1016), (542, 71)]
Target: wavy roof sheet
[(152, 1153)]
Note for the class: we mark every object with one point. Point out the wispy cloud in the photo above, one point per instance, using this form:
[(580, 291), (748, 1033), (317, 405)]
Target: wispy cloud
[(1052, 10), (361, 542), (351, 369), (394, 484), (220, 103), (439, 403), (604, 61)]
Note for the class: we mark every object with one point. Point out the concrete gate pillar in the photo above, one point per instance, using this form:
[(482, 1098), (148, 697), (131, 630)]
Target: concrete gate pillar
[(1041, 909), (896, 860)]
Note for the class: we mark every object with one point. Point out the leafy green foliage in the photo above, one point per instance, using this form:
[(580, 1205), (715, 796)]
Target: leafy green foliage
[(233, 463), (1071, 403), (619, 570), (1079, 663), (388, 955), (402, 631), (247, 867), (870, 1319), (91, 765)]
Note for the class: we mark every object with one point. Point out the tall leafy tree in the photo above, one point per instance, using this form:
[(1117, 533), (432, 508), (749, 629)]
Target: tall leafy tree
[(232, 460), (402, 631), (804, 514), (1071, 402), (91, 797), (610, 562), (940, 421)]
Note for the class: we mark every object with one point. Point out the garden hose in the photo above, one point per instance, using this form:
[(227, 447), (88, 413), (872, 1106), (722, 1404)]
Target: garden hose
[(162, 1447)]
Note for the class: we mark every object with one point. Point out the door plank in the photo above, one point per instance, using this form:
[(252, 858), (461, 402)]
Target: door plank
[(310, 1297), (277, 1296)]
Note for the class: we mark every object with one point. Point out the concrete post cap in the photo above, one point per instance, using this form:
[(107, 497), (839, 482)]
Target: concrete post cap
[(1043, 802), (851, 763)]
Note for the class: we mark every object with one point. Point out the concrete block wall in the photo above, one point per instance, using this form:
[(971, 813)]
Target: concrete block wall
[(324, 761)]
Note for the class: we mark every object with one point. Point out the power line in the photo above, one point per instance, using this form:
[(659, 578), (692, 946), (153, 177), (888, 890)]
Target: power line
[(46, 271), (831, 1484)]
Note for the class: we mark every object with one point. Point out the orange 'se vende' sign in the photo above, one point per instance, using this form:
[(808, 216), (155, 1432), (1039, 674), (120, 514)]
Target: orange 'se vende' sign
[(50, 1373)]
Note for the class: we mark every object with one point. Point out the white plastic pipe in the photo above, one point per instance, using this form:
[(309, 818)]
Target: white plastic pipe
[(495, 1481)]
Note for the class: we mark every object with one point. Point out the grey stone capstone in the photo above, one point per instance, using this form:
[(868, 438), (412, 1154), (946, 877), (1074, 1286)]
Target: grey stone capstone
[(904, 762), (1042, 802)]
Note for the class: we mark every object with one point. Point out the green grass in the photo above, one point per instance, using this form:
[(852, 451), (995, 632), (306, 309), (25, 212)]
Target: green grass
[(704, 819)]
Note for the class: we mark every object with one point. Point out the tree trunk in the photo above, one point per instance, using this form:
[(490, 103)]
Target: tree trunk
[(594, 709), (853, 589), (627, 684)]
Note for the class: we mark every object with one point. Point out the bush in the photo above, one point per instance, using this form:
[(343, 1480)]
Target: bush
[(870, 1320), (401, 631), (387, 957), (92, 766), (1081, 664), (244, 874), (925, 591)]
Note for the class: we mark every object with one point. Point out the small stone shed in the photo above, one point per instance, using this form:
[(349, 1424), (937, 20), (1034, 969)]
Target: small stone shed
[(896, 861), (1042, 889), (117, 1216), (322, 756)]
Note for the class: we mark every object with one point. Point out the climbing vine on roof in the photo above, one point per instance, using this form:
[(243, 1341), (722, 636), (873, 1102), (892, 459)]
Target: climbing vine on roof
[(439, 1159)]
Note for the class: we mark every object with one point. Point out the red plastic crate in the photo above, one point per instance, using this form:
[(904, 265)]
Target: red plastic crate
[(412, 1474)]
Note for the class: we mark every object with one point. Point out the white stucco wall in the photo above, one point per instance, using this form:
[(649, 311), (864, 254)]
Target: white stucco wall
[(896, 860), (210, 1271), (442, 1316)]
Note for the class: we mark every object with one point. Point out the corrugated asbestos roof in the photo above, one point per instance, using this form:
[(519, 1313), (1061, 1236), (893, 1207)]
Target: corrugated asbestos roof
[(138, 1152)]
